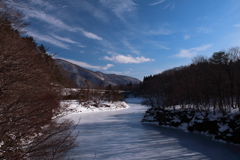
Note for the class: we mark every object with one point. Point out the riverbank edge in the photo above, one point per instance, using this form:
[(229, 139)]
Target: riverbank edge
[(75, 107), (225, 128)]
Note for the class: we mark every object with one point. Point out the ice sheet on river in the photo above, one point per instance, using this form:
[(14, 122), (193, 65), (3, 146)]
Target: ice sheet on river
[(120, 135)]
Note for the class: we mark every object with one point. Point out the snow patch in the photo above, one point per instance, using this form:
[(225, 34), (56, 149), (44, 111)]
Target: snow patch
[(86, 107), (184, 127), (223, 127)]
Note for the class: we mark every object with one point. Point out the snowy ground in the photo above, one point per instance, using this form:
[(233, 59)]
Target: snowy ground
[(86, 107)]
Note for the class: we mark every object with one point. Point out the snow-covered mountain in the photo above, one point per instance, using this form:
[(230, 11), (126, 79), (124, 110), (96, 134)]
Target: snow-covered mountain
[(83, 76)]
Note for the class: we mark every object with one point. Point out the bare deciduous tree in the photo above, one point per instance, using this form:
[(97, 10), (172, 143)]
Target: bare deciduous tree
[(30, 100)]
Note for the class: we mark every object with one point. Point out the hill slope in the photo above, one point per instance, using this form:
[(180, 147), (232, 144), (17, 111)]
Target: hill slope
[(83, 76)]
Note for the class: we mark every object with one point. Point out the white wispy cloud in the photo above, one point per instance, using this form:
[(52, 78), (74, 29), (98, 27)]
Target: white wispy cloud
[(157, 44), (131, 47), (119, 7), (127, 59), (89, 34), (171, 6), (42, 4), (204, 30), (160, 31), (108, 47), (49, 19), (107, 66), (112, 52), (159, 2), (96, 12), (237, 25), (188, 53), (186, 37), (48, 39), (80, 45), (60, 24), (68, 40), (86, 65), (64, 39)]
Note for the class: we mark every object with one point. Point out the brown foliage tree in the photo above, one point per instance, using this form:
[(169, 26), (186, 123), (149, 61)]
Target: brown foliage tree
[(30, 100)]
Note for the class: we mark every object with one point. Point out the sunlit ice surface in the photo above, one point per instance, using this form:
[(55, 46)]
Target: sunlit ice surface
[(121, 135)]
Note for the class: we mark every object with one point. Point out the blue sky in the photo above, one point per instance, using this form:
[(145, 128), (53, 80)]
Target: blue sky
[(134, 37)]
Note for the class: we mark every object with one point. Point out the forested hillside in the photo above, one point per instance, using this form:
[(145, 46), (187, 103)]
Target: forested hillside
[(87, 78), (201, 97), (30, 94), (213, 82)]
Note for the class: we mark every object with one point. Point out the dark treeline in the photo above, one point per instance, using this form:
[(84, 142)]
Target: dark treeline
[(97, 95), (207, 82)]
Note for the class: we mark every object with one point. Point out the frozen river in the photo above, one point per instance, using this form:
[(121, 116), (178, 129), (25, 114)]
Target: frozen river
[(121, 135)]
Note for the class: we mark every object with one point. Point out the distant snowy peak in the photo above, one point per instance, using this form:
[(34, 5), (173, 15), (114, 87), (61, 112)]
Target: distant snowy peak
[(83, 76)]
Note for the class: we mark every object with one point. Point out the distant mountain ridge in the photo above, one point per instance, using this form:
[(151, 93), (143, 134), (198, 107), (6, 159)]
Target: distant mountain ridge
[(84, 77)]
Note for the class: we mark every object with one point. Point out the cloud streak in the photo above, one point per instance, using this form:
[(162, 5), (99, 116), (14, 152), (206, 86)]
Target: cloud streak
[(237, 25), (160, 31), (131, 48), (49, 19), (203, 30), (68, 40), (171, 6), (186, 37), (188, 53), (42, 4), (86, 65), (127, 59), (47, 39), (157, 44), (89, 34), (159, 2), (60, 24), (119, 7), (96, 12)]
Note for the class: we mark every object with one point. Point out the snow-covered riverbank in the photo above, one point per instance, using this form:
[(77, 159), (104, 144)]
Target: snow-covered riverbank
[(90, 106), (216, 125)]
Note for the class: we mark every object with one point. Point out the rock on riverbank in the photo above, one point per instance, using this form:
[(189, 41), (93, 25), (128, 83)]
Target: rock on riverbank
[(218, 126)]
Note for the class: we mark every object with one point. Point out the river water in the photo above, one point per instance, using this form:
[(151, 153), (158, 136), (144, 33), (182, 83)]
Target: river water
[(120, 135)]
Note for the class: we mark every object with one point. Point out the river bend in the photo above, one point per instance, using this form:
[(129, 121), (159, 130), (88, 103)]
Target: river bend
[(120, 135)]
